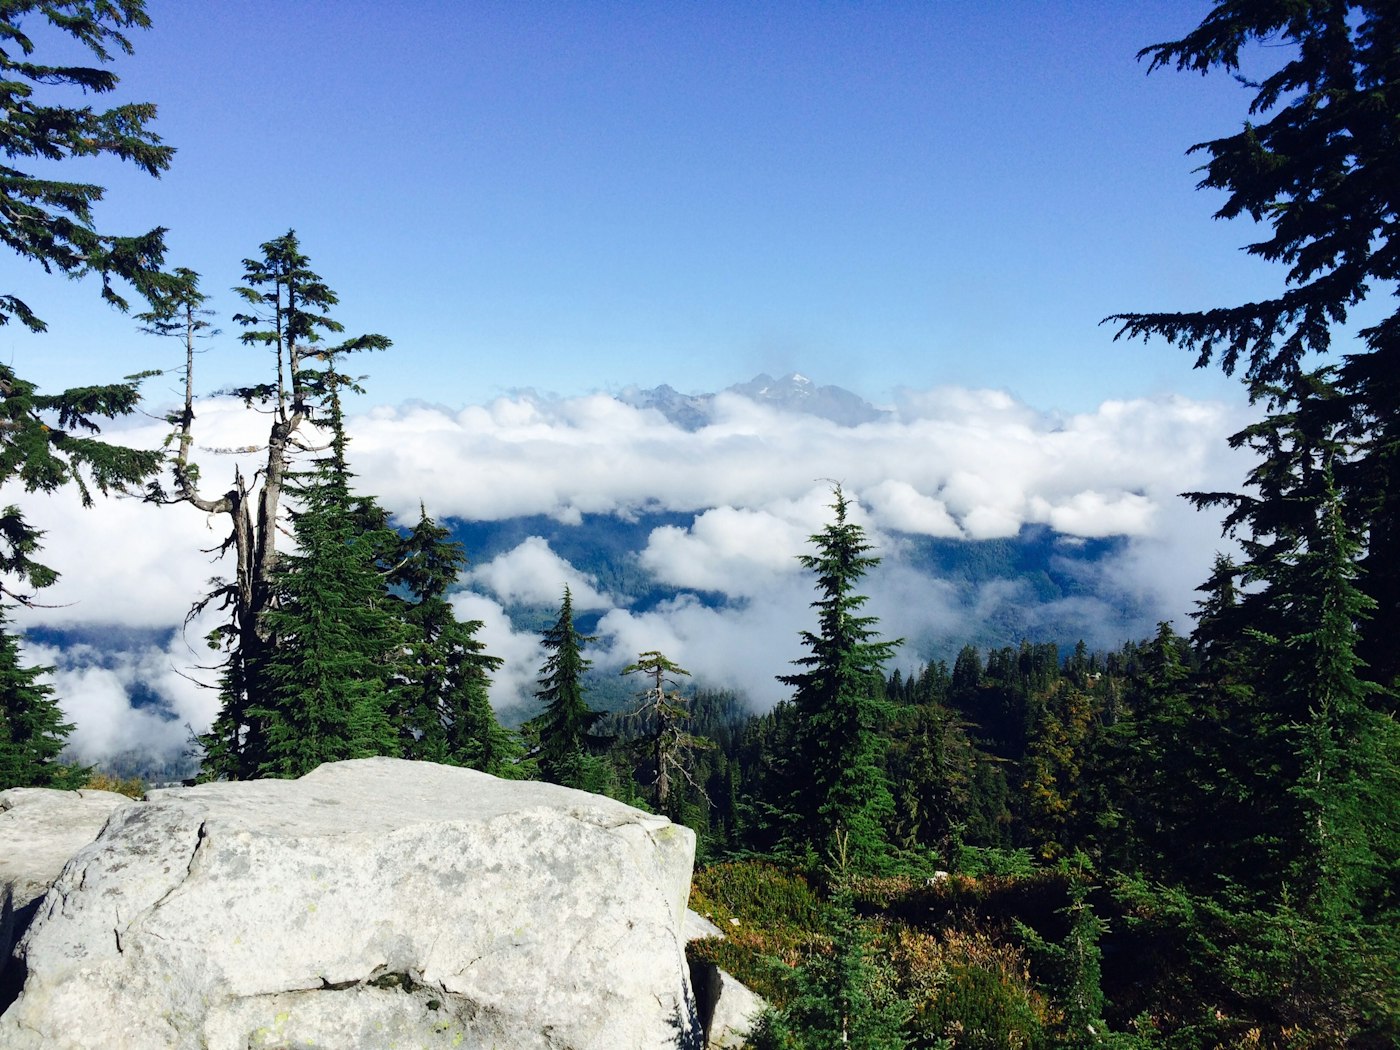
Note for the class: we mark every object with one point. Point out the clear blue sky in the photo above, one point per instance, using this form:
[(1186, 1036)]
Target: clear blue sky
[(577, 196)]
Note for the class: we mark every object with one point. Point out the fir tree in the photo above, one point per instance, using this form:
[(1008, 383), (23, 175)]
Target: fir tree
[(32, 728), (444, 676), (287, 306), (48, 439), (838, 703), (326, 675), (1316, 164), (843, 997), (663, 714), (565, 726)]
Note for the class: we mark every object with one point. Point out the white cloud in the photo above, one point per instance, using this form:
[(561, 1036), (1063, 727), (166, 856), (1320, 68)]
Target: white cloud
[(946, 464), (900, 506), (737, 551), (94, 688), (521, 652), (532, 574), (741, 648)]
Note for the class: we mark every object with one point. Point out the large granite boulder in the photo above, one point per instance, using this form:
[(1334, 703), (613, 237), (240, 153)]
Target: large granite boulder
[(372, 903), (40, 828)]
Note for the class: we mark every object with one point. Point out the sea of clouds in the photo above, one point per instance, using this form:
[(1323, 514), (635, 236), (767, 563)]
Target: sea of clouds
[(754, 483)]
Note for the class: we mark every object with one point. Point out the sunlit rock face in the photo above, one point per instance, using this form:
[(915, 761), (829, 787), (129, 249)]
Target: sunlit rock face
[(370, 903), (40, 828)]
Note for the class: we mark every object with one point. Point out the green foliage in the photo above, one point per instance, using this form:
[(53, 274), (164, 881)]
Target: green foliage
[(32, 729), (662, 714), (47, 440), (132, 786), (1071, 970), (841, 995), (766, 913), (838, 781), (287, 304), (443, 705), (564, 728), (51, 222), (327, 675)]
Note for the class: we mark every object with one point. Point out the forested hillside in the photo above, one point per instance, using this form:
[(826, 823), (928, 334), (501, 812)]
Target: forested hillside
[(1189, 840)]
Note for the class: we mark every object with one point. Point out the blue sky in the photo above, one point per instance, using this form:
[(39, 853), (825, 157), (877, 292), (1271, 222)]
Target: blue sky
[(572, 197), (930, 204)]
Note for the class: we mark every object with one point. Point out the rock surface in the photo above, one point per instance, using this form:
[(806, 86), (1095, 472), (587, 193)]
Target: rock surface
[(40, 828), (371, 903), (729, 1009)]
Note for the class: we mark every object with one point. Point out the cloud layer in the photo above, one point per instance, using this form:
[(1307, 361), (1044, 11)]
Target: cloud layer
[(948, 463)]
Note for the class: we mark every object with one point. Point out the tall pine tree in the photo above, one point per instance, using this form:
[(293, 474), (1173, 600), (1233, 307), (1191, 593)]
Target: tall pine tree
[(565, 726), (287, 316), (32, 728), (326, 677), (445, 672), (838, 699)]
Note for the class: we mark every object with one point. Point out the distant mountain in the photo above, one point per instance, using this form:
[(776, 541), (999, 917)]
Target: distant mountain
[(792, 393)]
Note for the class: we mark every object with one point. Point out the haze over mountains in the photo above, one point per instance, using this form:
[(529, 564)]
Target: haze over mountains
[(793, 393), (676, 519)]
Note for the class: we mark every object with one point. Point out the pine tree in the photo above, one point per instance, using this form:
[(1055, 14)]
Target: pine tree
[(326, 676), (843, 997), (565, 726), (933, 782), (839, 704), (48, 439), (287, 315), (32, 728), (444, 677), (1337, 752), (1316, 164), (663, 714), (1306, 742)]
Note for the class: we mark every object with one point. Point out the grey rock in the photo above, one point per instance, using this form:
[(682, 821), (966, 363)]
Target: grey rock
[(728, 1009), (370, 903), (40, 829)]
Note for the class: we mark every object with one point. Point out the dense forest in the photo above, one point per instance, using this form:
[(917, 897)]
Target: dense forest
[(1190, 841)]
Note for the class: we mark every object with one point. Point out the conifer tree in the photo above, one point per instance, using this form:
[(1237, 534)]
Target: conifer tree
[(32, 728), (445, 713), (565, 726), (1305, 921), (1317, 165), (839, 706), (326, 677), (47, 439), (663, 713), (287, 306)]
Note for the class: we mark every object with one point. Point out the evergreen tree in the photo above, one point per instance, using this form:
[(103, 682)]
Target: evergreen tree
[(48, 438), (445, 675), (933, 781), (287, 315), (838, 701), (1053, 772), (326, 675), (1338, 753), (565, 726), (1305, 921), (1317, 163), (32, 729), (843, 997), (663, 714)]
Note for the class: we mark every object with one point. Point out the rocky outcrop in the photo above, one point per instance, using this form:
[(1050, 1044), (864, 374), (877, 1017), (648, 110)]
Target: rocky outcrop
[(371, 903), (728, 1009), (40, 828)]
